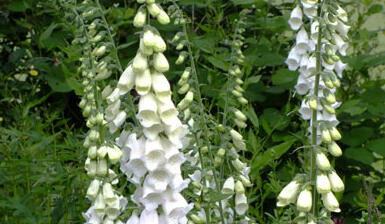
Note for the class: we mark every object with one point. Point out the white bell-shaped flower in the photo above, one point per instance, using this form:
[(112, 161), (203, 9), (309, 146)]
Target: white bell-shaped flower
[(160, 62), (144, 49), (330, 202), (174, 162), (112, 110), (228, 186), (341, 44), (93, 189), (241, 204), (114, 96), (159, 179), (342, 15), (309, 3), (92, 217), (140, 18), (293, 60), (108, 194), (134, 219), (153, 131), (99, 204), (174, 208), (143, 82), (304, 201), (288, 194), (335, 181), (147, 114), (167, 112), (303, 63), (295, 20), (311, 65), (149, 216), (302, 41), (113, 209), (118, 121), (339, 68), (342, 28), (160, 45), (114, 154), (154, 154), (323, 184), (140, 63), (126, 80), (151, 198), (302, 86), (310, 12), (161, 86), (314, 29)]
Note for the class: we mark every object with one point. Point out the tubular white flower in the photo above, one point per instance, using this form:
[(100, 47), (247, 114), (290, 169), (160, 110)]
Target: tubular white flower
[(295, 20), (288, 194), (160, 45), (161, 63), (140, 18), (228, 186), (161, 86), (302, 41), (302, 86), (114, 154), (140, 63), (143, 82), (314, 29), (149, 216), (323, 184), (241, 204), (336, 183), (134, 219), (149, 39), (342, 28), (126, 80), (154, 154), (293, 60), (304, 201), (145, 50), (93, 189), (118, 121), (330, 202), (147, 114), (99, 204)]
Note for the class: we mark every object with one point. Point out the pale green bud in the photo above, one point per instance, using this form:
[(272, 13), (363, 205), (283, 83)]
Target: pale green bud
[(140, 17), (335, 134), (102, 168), (323, 184), (184, 88), (163, 18), (154, 9), (87, 110), (239, 115), (161, 63), (181, 58), (92, 152), (242, 100), (240, 124), (94, 135), (239, 188), (334, 149), (246, 181), (325, 134), (322, 161), (221, 152), (313, 103), (197, 219), (236, 93), (304, 201), (100, 51)]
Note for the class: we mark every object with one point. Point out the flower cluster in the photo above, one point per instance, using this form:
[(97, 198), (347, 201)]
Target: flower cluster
[(152, 159), (107, 204), (316, 55)]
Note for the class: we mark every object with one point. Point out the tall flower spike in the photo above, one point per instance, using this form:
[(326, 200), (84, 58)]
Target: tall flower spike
[(316, 55), (106, 202), (152, 162)]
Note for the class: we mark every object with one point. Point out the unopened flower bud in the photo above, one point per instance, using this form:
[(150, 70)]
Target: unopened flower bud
[(154, 9), (114, 154), (149, 38), (99, 204), (160, 45), (92, 152), (161, 63), (140, 63), (181, 58), (239, 188), (102, 168), (140, 17), (242, 100), (330, 202), (334, 133), (288, 194), (163, 18), (245, 181), (236, 93), (322, 161), (221, 152), (241, 204), (239, 81), (238, 165), (323, 184), (325, 134), (99, 51), (94, 135), (335, 181), (87, 110), (304, 201), (102, 151), (240, 115), (204, 149), (334, 149), (177, 37), (330, 98), (108, 194), (313, 103), (197, 219), (240, 124)]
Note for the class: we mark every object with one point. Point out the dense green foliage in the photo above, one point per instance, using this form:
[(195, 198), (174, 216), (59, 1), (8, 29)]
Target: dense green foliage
[(42, 179)]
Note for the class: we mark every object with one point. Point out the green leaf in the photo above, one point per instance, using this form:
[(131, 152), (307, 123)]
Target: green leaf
[(272, 119), (357, 136), (245, 2), (18, 6), (250, 113), (374, 9), (271, 154), (359, 154), (378, 146), (284, 76), (47, 33), (253, 80), (353, 107), (218, 63)]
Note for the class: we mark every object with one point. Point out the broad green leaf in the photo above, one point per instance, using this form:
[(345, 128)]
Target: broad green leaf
[(218, 63), (271, 154), (250, 113), (18, 6), (377, 146), (357, 136), (353, 107), (376, 8), (359, 154), (284, 76)]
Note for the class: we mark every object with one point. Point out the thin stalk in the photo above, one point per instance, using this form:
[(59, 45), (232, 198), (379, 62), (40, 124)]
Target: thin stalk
[(203, 115), (116, 57), (315, 206)]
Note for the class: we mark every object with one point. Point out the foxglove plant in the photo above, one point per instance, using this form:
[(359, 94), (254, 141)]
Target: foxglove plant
[(152, 158), (212, 157), (316, 55), (103, 153)]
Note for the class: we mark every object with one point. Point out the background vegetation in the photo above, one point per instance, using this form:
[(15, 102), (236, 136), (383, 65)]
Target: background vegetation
[(42, 179)]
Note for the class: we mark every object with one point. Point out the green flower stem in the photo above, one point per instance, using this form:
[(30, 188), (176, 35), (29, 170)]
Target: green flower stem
[(116, 57), (206, 130), (315, 206)]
